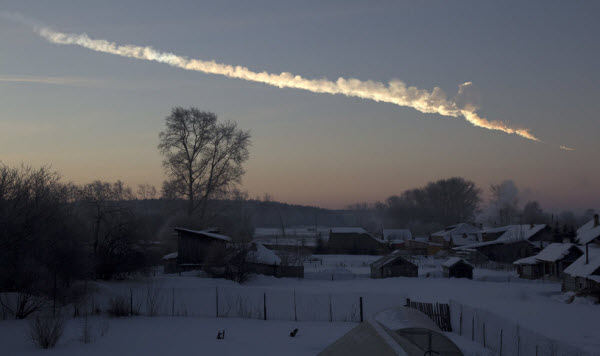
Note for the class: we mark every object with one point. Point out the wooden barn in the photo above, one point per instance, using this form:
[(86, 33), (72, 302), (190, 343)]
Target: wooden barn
[(393, 265), (193, 247), (354, 241), (456, 267)]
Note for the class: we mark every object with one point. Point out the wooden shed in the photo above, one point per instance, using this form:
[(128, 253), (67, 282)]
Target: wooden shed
[(193, 247), (458, 268), (393, 265)]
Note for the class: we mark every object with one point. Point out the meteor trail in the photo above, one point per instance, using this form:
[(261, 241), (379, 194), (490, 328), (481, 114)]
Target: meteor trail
[(395, 92)]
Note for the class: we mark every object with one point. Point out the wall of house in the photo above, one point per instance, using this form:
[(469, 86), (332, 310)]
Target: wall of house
[(354, 244), (193, 249), (508, 252)]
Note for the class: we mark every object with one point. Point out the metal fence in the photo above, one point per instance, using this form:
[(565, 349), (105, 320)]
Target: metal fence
[(503, 336)]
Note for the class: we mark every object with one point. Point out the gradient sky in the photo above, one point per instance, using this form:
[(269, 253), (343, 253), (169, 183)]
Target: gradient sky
[(97, 116)]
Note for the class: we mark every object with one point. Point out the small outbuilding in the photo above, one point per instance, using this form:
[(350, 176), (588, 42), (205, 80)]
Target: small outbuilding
[(529, 268), (393, 265), (194, 247), (169, 263), (458, 268), (266, 262)]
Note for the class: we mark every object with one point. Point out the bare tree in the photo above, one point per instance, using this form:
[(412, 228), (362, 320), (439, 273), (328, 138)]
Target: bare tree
[(146, 191), (202, 157)]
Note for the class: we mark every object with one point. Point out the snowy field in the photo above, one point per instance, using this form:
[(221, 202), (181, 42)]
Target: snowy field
[(312, 303), (180, 336)]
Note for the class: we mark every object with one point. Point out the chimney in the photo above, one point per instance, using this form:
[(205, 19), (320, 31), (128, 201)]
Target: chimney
[(596, 220)]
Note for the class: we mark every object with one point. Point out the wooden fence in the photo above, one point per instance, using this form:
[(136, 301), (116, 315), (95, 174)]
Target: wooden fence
[(438, 312)]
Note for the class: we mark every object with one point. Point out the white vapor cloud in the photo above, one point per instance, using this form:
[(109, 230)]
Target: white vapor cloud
[(565, 148), (395, 92)]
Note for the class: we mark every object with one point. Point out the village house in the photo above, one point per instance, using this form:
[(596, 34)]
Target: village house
[(456, 235), (354, 240), (550, 262), (193, 247), (393, 265), (584, 273), (456, 267), (511, 242)]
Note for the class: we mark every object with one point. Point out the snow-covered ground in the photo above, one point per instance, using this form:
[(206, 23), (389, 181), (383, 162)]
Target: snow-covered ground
[(539, 307), (179, 336)]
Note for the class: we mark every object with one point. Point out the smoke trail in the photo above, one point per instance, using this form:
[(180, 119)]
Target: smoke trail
[(395, 92), (565, 148)]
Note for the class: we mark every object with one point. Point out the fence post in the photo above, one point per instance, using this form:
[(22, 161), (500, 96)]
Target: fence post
[(295, 312), (483, 334), (217, 300), (473, 329), (173, 303), (407, 302), (265, 305), (518, 342), (501, 332), (330, 312), (130, 301), (461, 318), (361, 310)]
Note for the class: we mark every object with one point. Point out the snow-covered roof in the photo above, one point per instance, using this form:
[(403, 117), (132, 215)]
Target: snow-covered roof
[(348, 230), (292, 231), (397, 234), (170, 256), (397, 254), (454, 260), (261, 254), (555, 252), (526, 261), (580, 268), (458, 229), (512, 233), (205, 233), (464, 239), (588, 232)]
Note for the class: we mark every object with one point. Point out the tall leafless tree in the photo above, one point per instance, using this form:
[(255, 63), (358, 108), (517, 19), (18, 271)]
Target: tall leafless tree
[(202, 157)]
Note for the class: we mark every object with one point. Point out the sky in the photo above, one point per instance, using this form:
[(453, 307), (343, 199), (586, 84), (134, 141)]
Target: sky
[(533, 65)]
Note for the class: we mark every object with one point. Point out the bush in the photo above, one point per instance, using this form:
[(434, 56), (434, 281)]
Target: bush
[(45, 331), (118, 307)]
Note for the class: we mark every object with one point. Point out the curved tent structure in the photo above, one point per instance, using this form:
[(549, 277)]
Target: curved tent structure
[(398, 331)]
